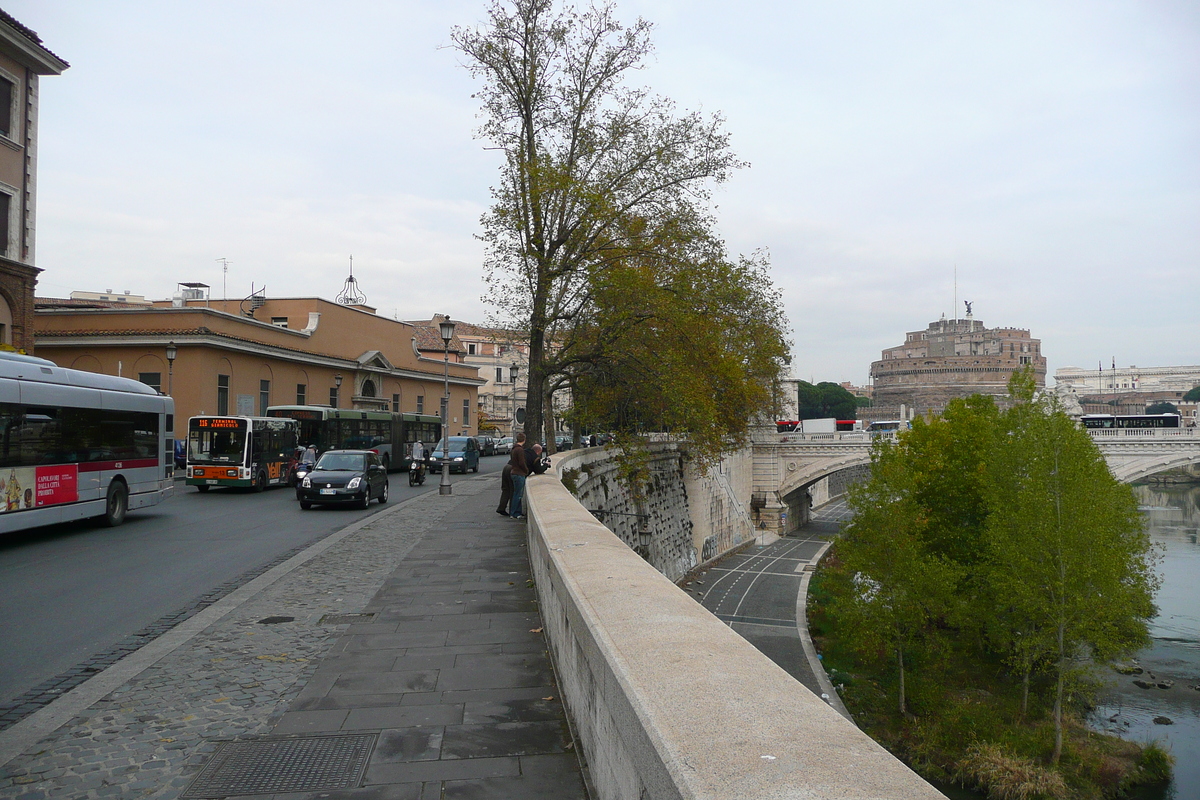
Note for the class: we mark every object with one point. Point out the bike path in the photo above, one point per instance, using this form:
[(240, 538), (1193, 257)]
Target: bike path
[(761, 593)]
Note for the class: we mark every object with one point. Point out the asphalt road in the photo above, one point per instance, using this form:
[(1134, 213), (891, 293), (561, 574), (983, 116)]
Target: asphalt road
[(69, 592), (755, 591)]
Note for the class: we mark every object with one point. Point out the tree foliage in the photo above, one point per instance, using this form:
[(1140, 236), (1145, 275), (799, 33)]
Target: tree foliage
[(1192, 395), (599, 238), (1067, 551), (1002, 534), (1162, 408), (825, 400)]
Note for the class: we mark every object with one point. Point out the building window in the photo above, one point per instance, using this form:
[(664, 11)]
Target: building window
[(467, 412), (301, 392), (333, 398), (396, 403), (152, 379), (499, 374), (7, 90), (5, 225), (279, 322), (222, 395), (264, 397), (470, 348), (420, 404), (368, 388)]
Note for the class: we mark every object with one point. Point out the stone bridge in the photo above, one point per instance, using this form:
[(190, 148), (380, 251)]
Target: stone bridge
[(793, 471)]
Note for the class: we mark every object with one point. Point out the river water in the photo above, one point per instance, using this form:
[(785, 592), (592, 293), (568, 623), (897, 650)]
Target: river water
[(1173, 520)]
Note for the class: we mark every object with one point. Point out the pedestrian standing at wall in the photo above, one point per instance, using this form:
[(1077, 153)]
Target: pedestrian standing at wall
[(506, 489), (520, 471)]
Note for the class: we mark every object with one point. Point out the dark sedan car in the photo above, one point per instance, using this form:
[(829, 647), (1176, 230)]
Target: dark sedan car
[(344, 477)]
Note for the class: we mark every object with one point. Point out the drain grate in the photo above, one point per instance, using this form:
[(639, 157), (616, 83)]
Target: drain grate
[(346, 619), (294, 764)]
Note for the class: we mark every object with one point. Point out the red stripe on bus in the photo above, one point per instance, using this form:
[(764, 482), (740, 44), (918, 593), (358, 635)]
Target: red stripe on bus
[(133, 463)]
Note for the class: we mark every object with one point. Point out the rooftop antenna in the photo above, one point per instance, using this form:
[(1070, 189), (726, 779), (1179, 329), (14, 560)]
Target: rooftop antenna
[(224, 275)]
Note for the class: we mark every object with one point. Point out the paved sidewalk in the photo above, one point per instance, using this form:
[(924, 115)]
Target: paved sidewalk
[(403, 657)]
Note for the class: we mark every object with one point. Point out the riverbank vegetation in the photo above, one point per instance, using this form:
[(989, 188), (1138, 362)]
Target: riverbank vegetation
[(993, 566)]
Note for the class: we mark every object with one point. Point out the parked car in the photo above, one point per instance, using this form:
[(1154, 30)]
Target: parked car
[(463, 455), (504, 445), (344, 477), (562, 443), (487, 445)]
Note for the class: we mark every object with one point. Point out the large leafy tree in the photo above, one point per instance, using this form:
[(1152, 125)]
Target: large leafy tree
[(824, 400), (1068, 553), (1005, 531), (603, 188), (689, 345), (893, 586)]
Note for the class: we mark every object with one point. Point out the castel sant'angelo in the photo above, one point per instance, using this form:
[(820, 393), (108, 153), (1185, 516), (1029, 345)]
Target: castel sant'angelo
[(953, 358)]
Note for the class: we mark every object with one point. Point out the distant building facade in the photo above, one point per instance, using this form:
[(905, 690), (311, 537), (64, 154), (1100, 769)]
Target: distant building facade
[(231, 359), (23, 60), (1129, 390), (1175, 381), (949, 359)]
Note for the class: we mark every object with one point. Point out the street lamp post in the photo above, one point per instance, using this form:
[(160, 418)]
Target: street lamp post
[(446, 329), (172, 351), (337, 393), (512, 397)]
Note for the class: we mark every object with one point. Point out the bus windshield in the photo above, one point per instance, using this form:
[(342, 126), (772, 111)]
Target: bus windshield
[(217, 441)]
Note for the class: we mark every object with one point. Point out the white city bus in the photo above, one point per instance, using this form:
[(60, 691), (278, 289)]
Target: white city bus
[(79, 444)]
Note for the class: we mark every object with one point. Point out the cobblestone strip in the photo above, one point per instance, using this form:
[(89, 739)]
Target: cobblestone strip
[(149, 736)]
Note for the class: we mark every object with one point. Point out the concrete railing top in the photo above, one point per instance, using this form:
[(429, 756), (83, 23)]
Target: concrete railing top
[(667, 700), (1106, 434)]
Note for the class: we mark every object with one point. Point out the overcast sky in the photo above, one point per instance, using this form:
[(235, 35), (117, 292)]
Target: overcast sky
[(1050, 152)]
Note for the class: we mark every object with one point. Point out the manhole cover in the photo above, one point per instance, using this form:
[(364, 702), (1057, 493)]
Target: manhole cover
[(346, 619), (298, 764)]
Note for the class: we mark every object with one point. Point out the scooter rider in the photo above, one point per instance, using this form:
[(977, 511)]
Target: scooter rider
[(418, 456)]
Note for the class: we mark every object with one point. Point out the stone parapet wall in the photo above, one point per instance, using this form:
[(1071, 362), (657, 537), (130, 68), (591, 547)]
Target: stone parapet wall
[(686, 517), (667, 702)]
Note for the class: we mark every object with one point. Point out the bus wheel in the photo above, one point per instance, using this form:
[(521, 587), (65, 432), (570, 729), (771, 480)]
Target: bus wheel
[(261, 484), (387, 462), (203, 488), (116, 504)]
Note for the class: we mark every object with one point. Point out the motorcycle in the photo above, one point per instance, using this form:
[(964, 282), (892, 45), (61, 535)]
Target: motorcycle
[(302, 469), (416, 472)]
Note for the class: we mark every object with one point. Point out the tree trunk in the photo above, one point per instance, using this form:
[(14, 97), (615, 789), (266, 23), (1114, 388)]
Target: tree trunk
[(548, 416), (1025, 691), (900, 657), (1058, 698), (536, 382)]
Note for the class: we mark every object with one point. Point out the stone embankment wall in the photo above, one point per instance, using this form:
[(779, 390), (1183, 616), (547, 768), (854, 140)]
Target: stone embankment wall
[(666, 700), (686, 517)]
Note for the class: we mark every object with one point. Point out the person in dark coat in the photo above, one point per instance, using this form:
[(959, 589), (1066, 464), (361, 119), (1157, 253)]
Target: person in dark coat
[(506, 489), (519, 472)]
